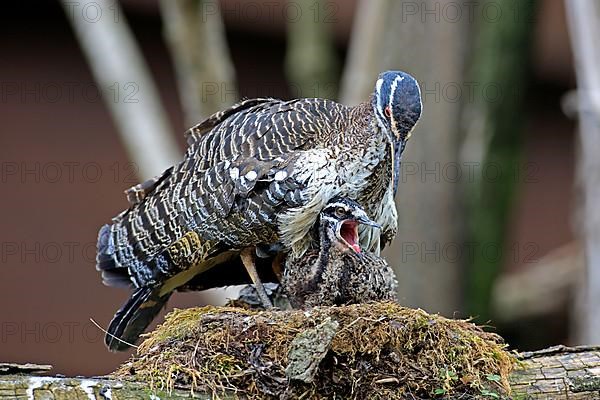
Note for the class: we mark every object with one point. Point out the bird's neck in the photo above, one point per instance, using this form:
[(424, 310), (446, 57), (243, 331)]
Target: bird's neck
[(327, 251), (322, 260), (324, 249)]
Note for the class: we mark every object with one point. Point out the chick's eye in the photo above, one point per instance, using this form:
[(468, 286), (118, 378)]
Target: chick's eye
[(340, 212), (388, 112)]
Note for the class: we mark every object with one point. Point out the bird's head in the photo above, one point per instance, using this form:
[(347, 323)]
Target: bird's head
[(339, 223), (397, 106)]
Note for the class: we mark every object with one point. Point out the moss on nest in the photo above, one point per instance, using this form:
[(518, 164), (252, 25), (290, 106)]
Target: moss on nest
[(376, 350)]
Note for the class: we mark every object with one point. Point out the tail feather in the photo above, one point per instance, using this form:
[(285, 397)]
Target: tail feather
[(117, 278), (105, 256), (113, 274), (134, 317)]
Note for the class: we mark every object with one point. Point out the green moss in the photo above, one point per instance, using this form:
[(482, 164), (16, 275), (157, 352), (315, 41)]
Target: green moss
[(585, 384), (379, 350)]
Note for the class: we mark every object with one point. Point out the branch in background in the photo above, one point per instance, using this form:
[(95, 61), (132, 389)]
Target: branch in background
[(196, 36), (584, 26), (311, 64), (116, 62), (493, 128), (365, 50), (545, 288)]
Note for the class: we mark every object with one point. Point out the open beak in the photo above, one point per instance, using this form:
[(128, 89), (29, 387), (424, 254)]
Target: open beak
[(348, 229)]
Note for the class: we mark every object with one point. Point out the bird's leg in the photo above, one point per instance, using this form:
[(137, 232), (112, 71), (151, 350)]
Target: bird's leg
[(247, 256)]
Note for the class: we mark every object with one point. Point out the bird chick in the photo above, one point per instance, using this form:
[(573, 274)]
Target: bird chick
[(338, 272)]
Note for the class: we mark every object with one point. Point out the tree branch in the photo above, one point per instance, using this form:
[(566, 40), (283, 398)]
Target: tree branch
[(584, 25), (365, 50), (205, 74), (310, 61), (117, 64)]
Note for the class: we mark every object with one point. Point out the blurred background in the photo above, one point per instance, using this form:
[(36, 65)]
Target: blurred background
[(95, 97)]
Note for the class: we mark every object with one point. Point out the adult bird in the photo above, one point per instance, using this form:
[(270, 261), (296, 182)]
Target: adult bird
[(253, 181)]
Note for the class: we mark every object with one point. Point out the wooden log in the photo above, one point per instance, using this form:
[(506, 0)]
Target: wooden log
[(558, 372), (27, 387)]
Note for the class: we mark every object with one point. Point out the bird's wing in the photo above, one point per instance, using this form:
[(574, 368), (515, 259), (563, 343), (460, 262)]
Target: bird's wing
[(161, 244), (193, 134), (230, 156), (236, 177), (196, 215), (264, 129), (137, 193)]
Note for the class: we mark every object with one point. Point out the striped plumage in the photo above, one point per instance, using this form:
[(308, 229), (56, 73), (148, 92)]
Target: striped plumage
[(338, 271), (256, 175)]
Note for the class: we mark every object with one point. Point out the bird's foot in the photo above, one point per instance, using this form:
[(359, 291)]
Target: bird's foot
[(247, 256)]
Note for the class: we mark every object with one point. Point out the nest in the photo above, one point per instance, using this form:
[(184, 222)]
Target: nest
[(374, 350)]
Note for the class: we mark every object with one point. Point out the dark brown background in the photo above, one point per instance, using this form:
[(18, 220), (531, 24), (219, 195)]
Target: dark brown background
[(48, 285)]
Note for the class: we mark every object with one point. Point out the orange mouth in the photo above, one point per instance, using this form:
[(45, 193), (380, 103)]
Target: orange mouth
[(349, 233)]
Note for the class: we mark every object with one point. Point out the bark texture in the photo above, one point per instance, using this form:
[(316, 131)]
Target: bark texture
[(25, 387), (555, 373), (558, 373)]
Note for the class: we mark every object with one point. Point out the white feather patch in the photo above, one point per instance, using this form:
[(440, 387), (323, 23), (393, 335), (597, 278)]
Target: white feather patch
[(378, 91), (280, 175), (326, 175)]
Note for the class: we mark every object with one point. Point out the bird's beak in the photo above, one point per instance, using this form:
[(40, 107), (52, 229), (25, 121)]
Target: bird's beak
[(363, 219), (398, 149)]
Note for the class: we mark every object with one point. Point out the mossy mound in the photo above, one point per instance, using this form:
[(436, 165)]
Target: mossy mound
[(375, 350)]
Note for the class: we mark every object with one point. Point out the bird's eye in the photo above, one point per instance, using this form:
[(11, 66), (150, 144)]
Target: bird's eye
[(340, 212), (388, 112)]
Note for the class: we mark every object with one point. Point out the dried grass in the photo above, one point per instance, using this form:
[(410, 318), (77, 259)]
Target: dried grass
[(380, 350)]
